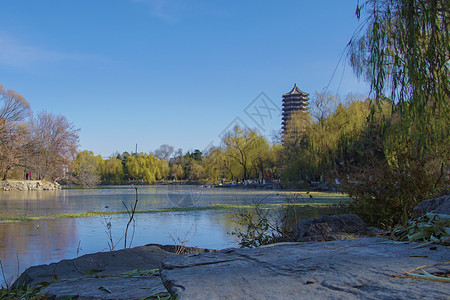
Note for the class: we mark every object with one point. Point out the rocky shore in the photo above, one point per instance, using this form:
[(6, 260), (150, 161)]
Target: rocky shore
[(28, 185), (346, 265), (366, 268)]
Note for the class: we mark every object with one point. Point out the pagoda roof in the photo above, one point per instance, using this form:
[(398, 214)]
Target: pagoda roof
[(296, 91)]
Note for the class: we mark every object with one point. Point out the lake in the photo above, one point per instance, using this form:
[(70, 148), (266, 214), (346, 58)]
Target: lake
[(46, 239)]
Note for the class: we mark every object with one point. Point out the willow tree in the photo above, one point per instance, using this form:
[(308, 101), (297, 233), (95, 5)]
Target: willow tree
[(243, 148), (86, 168), (402, 49), (404, 54)]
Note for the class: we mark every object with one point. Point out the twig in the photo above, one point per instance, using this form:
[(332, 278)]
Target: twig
[(180, 246), (78, 248), (131, 216), (3, 275)]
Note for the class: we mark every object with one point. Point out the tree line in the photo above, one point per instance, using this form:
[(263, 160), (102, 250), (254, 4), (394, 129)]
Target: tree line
[(244, 154), (39, 146)]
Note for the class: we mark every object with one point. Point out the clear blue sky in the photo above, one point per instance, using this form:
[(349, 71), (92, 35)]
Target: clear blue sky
[(173, 72)]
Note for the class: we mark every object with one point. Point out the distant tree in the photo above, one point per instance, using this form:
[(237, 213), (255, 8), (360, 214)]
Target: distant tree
[(164, 152), (241, 146), (178, 153), (112, 170), (14, 109), (213, 165), (197, 155), (197, 171), (322, 105), (164, 168), (177, 172), (86, 168), (54, 145), (143, 167)]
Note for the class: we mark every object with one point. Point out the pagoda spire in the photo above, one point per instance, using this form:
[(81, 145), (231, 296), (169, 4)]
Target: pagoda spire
[(293, 101)]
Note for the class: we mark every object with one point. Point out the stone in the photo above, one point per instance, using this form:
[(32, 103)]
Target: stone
[(329, 228), (439, 205), (100, 275), (28, 185), (345, 269)]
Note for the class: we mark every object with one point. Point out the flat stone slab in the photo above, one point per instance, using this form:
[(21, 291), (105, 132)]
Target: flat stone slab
[(347, 269), (103, 275)]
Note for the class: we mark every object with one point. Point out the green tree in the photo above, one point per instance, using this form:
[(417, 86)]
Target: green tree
[(404, 53), (112, 170), (86, 168), (214, 165), (143, 167), (177, 172), (241, 147)]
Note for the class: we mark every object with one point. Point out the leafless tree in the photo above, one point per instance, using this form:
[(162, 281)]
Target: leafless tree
[(54, 143), (164, 152), (13, 110)]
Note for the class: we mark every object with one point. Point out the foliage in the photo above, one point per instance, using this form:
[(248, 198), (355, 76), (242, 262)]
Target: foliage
[(404, 53), (261, 225), (85, 168), (112, 170), (314, 149), (246, 152), (431, 228), (143, 166), (24, 292)]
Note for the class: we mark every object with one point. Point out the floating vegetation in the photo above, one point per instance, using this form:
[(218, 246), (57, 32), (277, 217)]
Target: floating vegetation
[(430, 228), (156, 210)]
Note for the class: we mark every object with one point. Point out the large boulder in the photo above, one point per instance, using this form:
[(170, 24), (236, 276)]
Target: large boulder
[(350, 269), (329, 228), (439, 205)]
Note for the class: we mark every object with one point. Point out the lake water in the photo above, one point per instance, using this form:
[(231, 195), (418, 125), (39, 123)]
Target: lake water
[(23, 244)]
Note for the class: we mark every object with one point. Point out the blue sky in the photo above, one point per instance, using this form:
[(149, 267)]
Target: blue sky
[(152, 72)]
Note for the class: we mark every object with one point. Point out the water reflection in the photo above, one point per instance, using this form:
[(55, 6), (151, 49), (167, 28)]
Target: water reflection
[(44, 203), (41, 242)]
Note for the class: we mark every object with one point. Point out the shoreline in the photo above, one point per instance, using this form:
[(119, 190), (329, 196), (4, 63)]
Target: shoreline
[(28, 185)]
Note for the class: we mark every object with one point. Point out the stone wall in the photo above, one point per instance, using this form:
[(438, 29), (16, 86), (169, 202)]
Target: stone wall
[(28, 185)]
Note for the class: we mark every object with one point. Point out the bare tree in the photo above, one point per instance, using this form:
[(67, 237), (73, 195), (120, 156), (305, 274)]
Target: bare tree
[(164, 152), (14, 107), (13, 110), (54, 142), (322, 105)]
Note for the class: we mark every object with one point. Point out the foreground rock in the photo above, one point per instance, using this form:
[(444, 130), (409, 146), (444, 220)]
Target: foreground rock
[(124, 274), (439, 205), (348, 269), (101, 275)]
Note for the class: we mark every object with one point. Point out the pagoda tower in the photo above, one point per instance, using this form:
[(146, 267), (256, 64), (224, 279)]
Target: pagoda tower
[(293, 101)]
